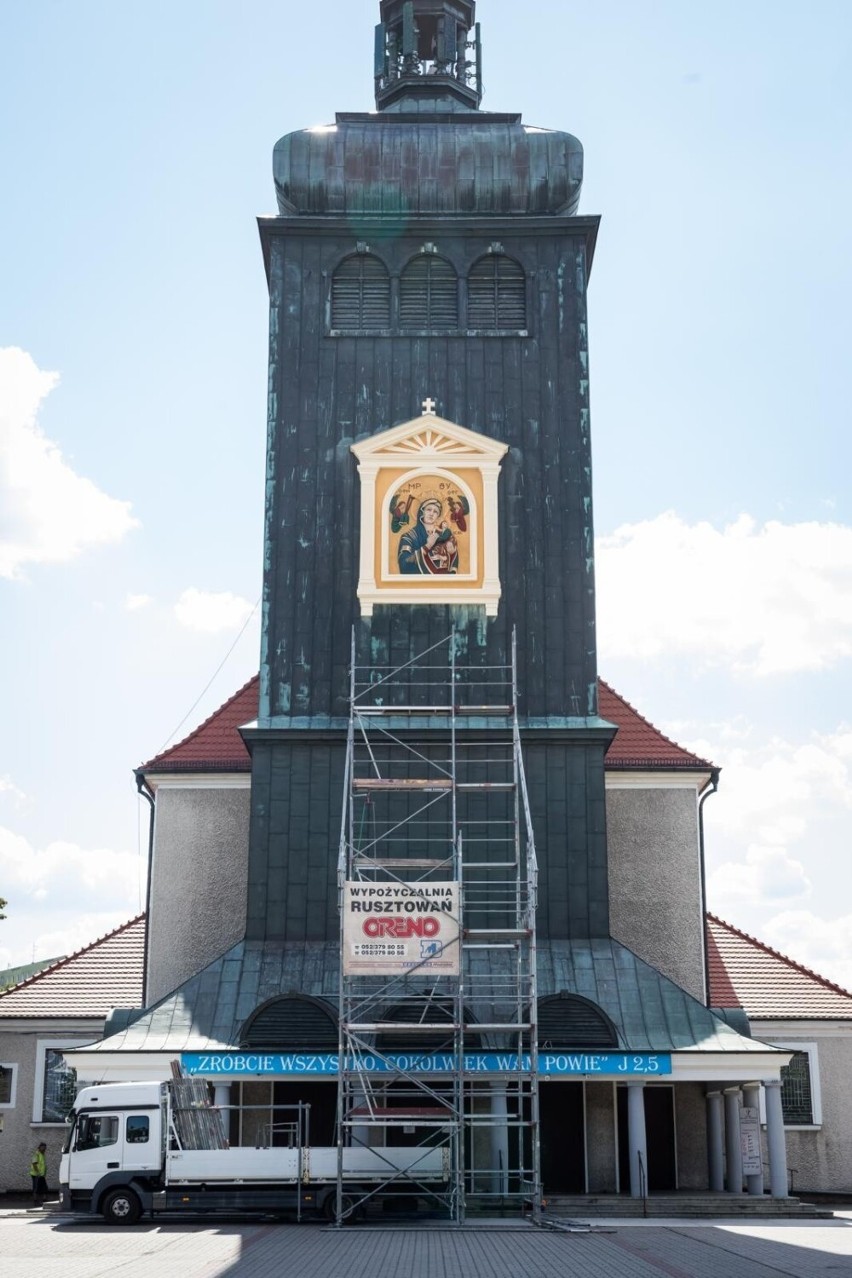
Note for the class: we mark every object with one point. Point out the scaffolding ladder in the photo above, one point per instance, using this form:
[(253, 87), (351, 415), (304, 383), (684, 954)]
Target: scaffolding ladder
[(435, 802)]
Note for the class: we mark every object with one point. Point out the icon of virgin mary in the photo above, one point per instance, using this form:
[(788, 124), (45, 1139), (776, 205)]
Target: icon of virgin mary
[(430, 548)]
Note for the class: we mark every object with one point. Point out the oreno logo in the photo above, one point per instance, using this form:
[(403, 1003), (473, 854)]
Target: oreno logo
[(429, 926)]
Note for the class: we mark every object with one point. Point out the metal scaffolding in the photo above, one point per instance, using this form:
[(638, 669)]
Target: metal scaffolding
[(443, 1050)]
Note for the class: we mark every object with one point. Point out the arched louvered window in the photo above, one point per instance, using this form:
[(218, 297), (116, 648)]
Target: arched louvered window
[(428, 294), (497, 294), (291, 1022), (569, 1020), (360, 294)]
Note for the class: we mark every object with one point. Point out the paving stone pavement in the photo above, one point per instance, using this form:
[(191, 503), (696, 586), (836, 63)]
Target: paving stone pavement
[(46, 1247)]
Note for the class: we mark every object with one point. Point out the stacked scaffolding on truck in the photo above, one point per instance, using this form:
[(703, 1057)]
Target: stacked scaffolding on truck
[(195, 1123), (444, 1050)]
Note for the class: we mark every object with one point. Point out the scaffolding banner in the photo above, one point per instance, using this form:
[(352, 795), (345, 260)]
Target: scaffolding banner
[(394, 928)]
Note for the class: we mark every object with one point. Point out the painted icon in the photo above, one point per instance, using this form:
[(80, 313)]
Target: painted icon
[(429, 517)]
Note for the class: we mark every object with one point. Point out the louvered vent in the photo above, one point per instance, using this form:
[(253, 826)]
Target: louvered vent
[(497, 294), (568, 1020), (360, 294), (428, 295), (291, 1023)]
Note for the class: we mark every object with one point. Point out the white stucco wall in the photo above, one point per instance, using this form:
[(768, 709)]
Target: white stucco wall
[(820, 1159), (655, 878), (199, 876), (19, 1045)]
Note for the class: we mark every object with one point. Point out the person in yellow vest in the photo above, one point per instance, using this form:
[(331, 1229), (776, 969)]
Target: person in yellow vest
[(38, 1172)]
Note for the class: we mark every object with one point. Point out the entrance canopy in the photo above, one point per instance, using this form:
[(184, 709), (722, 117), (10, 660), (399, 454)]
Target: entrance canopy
[(659, 1029)]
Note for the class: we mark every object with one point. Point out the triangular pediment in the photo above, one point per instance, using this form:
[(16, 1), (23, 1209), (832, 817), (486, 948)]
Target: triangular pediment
[(428, 438)]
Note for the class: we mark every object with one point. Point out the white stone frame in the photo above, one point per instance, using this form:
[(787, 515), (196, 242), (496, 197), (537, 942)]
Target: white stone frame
[(410, 446), (13, 1090), (43, 1046)]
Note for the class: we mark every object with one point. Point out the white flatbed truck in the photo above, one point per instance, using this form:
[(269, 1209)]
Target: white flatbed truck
[(123, 1158)]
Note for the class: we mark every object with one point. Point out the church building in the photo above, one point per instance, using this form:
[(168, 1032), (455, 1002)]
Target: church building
[(427, 873)]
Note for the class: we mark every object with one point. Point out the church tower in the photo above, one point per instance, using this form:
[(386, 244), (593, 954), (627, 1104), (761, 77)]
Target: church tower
[(429, 491), (429, 254)]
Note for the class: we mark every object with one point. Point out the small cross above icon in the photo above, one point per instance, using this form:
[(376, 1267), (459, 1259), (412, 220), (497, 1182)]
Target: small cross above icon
[(429, 407)]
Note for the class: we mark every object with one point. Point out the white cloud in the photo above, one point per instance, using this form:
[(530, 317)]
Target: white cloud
[(764, 599), (36, 936), (203, 610), (57, 937), (775, 791), (823, 945), (777, 842), (133, 603), (8, 788), (62, 897), (767, 874), (50, 513), (710, 736)]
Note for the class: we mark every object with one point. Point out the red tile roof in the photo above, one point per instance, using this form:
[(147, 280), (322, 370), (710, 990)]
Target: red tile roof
[(107, 973), (769, 986), (743, 973), (638, 744), (216, 745)]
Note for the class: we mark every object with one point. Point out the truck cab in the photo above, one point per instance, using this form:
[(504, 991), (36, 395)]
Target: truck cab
[(116, 1141)]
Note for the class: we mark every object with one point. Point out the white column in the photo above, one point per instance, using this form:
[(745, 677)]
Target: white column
[(222, 1099), (733, 1149), (715, 1141), (636, 1139), (367, 588), (499, 1133), (751, 1100), (775, 1140), (489, 536)]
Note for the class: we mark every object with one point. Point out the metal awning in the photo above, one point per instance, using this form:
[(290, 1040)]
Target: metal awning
[(649, 1012)]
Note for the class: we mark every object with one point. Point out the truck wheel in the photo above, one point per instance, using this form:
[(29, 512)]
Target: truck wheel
[(121, 1207), (351, 1213)]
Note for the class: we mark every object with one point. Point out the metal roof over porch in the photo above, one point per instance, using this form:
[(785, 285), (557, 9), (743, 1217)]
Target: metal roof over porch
[(207, 1012)]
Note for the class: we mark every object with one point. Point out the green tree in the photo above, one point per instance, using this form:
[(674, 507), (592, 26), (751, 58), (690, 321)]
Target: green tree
[(2, 907)]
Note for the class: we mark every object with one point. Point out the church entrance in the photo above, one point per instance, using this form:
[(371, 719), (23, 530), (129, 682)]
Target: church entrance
[(660, 1139), (322, 1098), (265, 1113), (563, 1138)]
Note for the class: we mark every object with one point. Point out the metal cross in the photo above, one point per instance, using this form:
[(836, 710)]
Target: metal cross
[(429, 407)]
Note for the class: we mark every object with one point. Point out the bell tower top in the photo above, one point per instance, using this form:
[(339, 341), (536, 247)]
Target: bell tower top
[(428, 52)]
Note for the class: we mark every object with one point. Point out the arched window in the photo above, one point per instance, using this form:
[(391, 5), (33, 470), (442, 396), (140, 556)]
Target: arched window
[(497, 294), (360, 294), (428, 294), (569, 1020), (291, 1021)]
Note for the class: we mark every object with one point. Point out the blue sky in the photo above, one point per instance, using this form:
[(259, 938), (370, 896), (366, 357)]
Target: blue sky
[(136, 144)]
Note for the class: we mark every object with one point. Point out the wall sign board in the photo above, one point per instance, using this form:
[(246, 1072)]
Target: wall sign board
[(567, 1064), (392, 928)]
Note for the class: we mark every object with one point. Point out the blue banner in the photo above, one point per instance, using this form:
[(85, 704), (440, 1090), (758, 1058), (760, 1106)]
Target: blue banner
[(324, 1064)]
